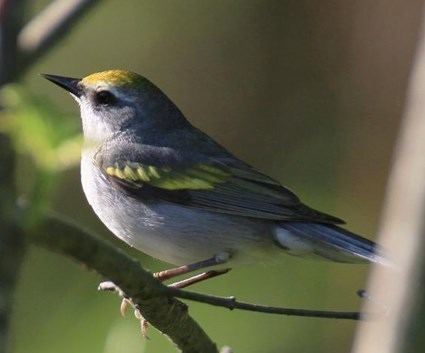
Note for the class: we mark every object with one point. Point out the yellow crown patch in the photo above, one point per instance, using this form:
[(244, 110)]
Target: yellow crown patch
[(115, 78)]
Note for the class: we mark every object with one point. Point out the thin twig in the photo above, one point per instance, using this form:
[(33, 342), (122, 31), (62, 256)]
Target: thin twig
[(231, 303), (45, 30)]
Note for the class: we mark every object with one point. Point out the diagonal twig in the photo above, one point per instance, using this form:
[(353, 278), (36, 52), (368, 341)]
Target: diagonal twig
[(45, 30), (167, 314)]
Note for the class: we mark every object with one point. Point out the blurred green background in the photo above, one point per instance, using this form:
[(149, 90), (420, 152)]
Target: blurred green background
[(309, 92)]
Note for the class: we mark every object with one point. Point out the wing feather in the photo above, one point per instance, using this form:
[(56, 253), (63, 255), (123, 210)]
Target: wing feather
[(213, 185)]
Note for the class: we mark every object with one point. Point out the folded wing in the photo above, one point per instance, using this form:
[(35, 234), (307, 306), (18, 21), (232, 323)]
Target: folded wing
[(215, 184)]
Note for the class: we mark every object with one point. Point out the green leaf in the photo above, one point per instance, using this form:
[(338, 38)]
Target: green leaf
[(47, 141), (39, 130)]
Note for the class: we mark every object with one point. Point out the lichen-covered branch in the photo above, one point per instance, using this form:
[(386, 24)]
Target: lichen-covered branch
[(167, 314)]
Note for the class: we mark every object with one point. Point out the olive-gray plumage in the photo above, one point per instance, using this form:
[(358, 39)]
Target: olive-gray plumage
[(171, 191)]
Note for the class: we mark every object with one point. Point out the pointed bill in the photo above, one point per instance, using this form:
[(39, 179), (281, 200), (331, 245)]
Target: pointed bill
[(68, 83)]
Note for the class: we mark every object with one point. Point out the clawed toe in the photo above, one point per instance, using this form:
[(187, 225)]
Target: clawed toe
[(125, 304), (126, 301), (144, 324)]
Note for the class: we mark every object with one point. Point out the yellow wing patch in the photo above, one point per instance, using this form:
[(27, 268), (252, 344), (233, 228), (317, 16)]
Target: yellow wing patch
[(197, 177)]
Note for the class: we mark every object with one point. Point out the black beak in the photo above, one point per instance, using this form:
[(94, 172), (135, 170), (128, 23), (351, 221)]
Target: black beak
[(68, 83)]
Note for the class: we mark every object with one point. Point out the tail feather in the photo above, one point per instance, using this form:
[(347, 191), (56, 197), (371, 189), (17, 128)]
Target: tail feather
[(328, 241)]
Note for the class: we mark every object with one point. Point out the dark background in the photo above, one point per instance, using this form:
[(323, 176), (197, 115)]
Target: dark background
[(309, 92)]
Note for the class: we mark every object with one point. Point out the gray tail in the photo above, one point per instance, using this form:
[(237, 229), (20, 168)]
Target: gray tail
[(334, 243)]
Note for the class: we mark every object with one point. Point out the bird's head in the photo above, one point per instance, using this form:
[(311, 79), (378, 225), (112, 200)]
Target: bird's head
[(118, 101)]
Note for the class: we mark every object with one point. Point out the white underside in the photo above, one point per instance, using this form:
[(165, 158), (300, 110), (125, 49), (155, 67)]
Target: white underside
[(174, 233)]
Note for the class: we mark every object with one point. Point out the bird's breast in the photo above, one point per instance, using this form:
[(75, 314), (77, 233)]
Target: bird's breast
[(168, 231)]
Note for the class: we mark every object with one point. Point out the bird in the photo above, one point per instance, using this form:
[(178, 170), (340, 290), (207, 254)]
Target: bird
[(169, 190)]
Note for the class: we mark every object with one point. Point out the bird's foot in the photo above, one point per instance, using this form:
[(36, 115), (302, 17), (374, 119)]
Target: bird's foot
[(126, 303), (109, 286), (144, 324), (162, 276)]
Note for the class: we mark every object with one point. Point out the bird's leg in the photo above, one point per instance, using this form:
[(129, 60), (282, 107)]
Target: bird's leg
[(112, 287), (126, 303), (181, 270), (198, 278), (144, 324), (171, 273)]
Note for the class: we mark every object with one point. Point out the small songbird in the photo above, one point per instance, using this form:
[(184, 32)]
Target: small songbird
[(169, 190)]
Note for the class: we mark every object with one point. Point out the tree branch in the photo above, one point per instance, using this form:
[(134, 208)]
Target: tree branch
[(47, 28), (402, 233), (167, 314)]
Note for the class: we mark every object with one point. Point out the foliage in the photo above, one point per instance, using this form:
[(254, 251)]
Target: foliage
[(47, 145)]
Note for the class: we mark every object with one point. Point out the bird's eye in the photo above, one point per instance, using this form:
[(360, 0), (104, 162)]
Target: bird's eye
[(104, 97)]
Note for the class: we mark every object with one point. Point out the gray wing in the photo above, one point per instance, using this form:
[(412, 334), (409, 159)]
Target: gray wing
[(220, 184)]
